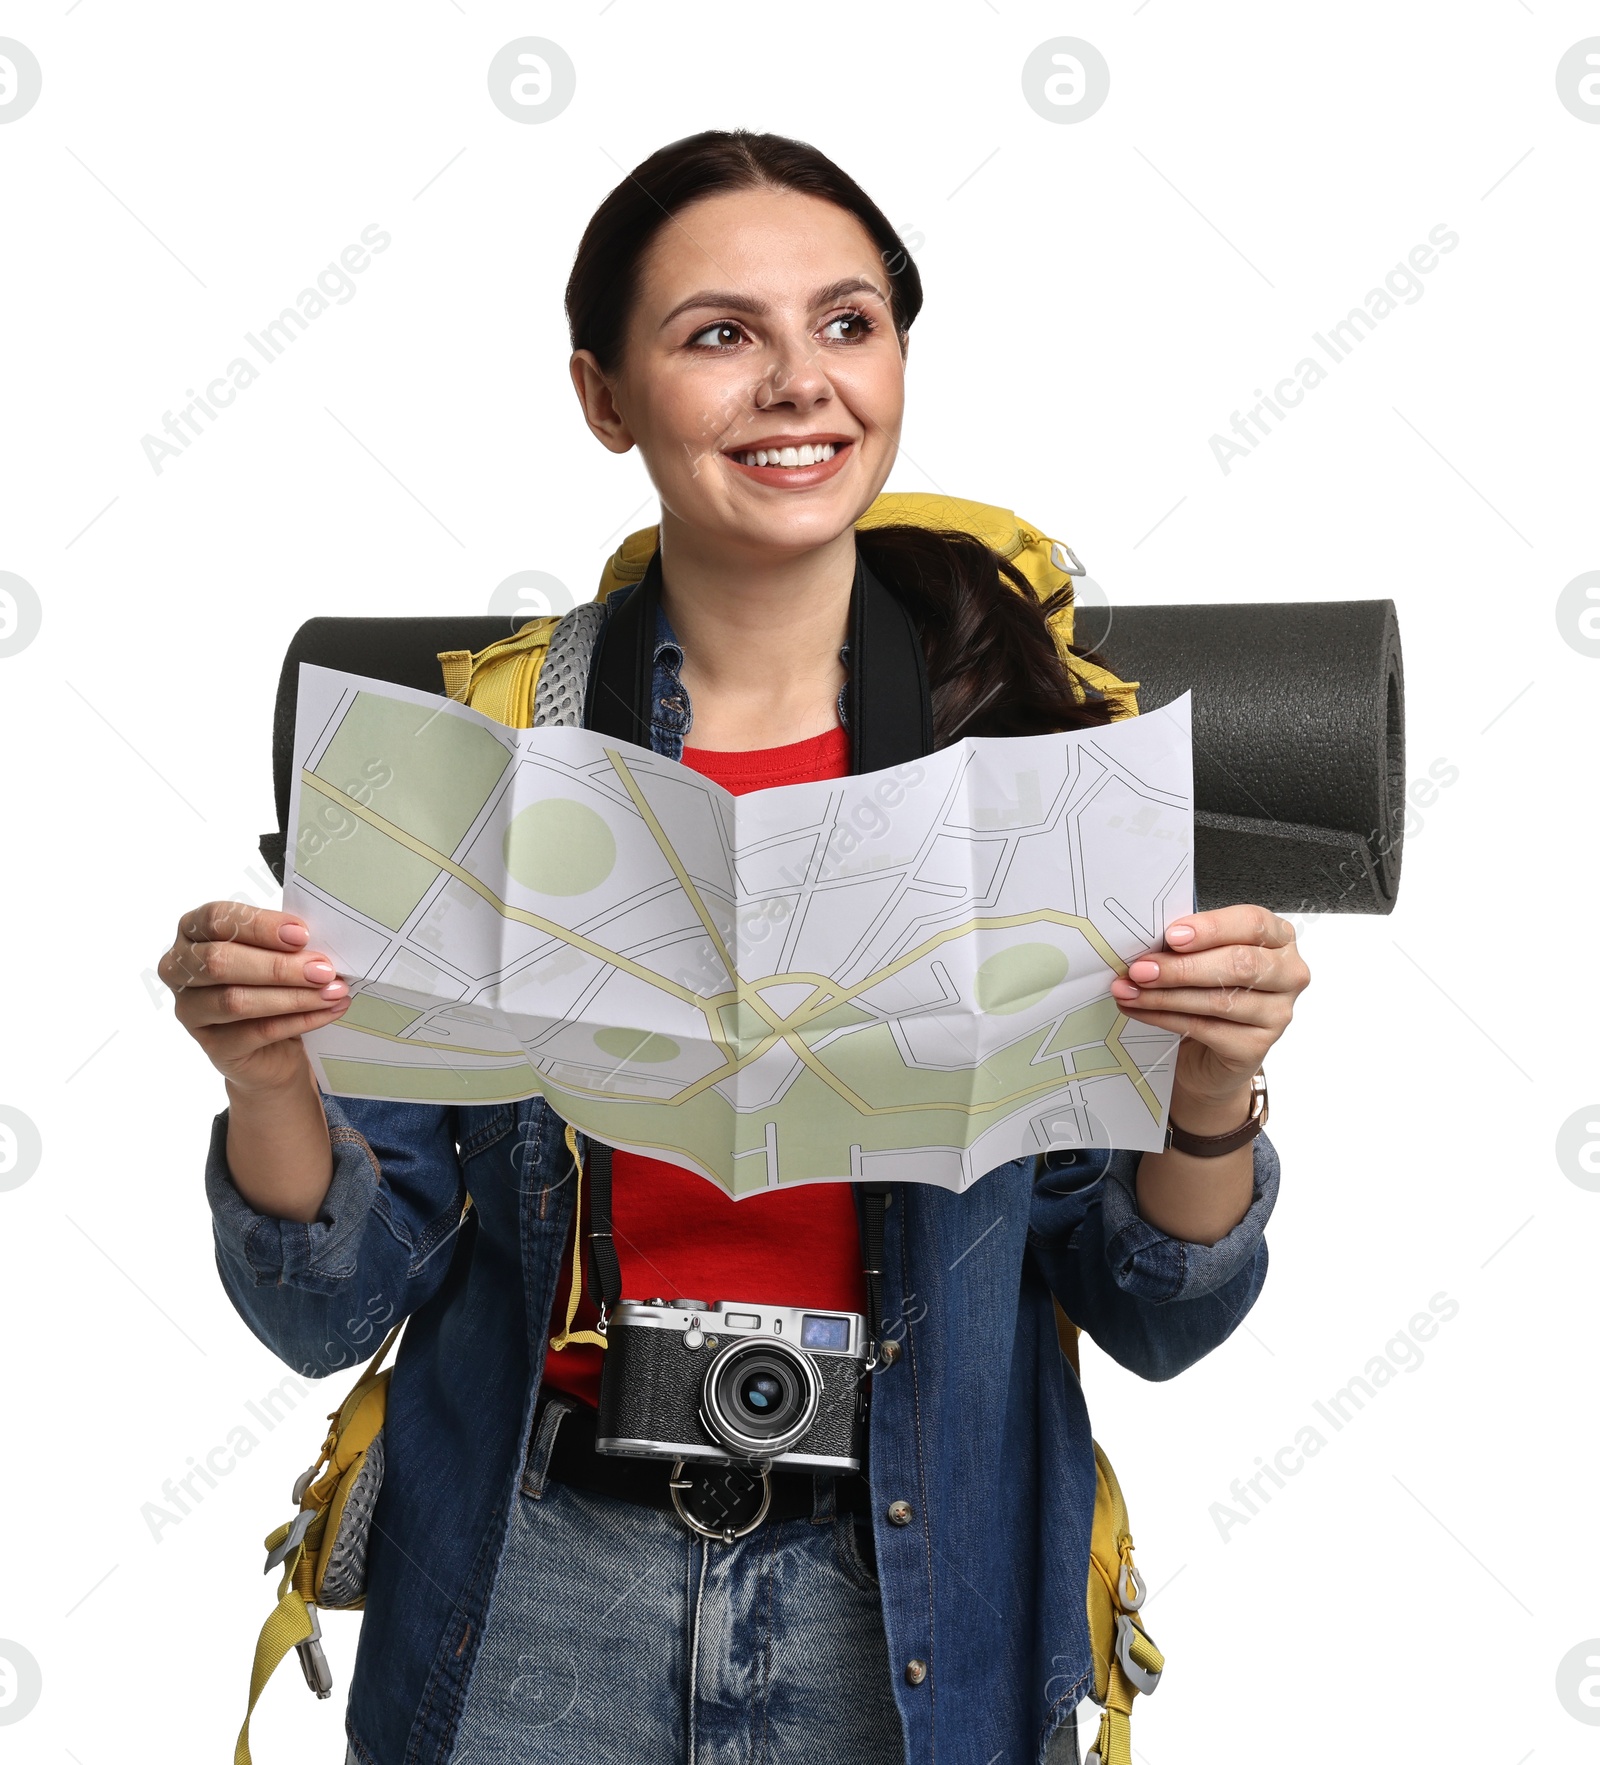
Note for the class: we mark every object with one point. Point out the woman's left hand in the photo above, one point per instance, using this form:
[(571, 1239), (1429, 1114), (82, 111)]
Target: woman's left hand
[(1228, 989)]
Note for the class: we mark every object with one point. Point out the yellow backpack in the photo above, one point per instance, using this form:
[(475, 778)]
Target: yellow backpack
[(500, 680), (316, 1548)]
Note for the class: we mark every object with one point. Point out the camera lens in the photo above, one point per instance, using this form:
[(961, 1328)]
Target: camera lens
[(760, 1394), (766, 1399), (760, 1397)]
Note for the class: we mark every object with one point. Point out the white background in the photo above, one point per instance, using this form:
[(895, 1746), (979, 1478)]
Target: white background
[(1101, 298)]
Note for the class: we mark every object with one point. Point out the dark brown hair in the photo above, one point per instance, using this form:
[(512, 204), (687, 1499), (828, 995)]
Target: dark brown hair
[(992, 662)]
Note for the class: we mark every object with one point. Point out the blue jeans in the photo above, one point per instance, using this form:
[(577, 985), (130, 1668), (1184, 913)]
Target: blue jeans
[(615, 1633)]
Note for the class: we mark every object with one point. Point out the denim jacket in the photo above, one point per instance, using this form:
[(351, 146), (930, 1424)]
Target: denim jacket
[(979, 1423)]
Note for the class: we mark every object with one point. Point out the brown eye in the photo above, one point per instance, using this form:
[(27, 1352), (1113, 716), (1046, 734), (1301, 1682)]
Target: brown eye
[(722, 335), (859, 326)]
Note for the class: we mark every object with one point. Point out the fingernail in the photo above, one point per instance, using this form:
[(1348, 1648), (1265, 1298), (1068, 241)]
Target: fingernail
[(1124, 989), (320, 969), (1179, 934), (1143, 970), (334, 990), (295, 936)]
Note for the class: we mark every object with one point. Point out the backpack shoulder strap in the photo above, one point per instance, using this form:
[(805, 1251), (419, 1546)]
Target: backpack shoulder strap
[(534, 679), (564, 679), (499, 679)]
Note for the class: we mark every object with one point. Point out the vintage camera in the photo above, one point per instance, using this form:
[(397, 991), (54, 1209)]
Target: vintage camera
[(734, 1383)]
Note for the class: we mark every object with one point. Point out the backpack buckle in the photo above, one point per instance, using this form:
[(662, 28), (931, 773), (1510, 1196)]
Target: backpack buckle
[(290, 1539), (313, 1662), (1143, 1678)]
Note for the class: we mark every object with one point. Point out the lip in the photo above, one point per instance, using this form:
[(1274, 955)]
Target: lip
[(791, 477)]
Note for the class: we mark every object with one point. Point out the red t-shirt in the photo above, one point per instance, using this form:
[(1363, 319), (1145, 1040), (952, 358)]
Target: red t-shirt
[(677, 1235)]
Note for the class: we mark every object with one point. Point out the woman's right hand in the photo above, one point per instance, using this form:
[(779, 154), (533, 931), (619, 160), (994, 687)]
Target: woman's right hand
[(246, 988)]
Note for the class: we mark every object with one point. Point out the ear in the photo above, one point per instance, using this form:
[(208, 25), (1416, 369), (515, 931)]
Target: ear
[(597, 396)]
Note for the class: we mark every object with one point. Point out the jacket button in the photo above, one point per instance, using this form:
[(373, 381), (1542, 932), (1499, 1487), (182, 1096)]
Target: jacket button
[(890, 1353), (916, 1672), (899, 1513)]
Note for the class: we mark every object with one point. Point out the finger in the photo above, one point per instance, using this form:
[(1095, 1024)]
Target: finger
[(236, 1040), (1230, 965), (1230, 925), (1246, 1005), (202, 1007), (1235, 1043), (238, 922), (234, 964)]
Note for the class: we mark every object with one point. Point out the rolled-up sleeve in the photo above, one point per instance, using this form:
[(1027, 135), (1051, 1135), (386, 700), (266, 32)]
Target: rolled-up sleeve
[(1154, 1303), (320, 1292)]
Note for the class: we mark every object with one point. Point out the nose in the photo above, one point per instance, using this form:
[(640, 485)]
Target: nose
[(792, 375)]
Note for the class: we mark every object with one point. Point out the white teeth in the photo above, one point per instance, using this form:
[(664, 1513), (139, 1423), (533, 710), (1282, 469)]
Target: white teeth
[(808, 455)]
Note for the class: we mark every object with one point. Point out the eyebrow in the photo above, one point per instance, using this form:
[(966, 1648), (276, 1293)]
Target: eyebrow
[(744, 303)]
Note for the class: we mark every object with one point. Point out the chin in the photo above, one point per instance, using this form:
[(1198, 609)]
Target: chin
[(798, 529)]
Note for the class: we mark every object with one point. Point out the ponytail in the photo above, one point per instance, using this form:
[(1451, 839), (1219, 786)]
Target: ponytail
[(993, 664)]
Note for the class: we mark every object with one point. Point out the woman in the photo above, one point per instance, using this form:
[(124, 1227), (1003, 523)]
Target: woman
[(738, 296)]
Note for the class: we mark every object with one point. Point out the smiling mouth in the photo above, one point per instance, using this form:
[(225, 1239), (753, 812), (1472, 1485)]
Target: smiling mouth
[(795, 465), (788, 456)]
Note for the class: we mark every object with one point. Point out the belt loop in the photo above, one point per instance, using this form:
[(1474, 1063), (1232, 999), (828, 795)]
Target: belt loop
[(824, 1498), (553, 1410)]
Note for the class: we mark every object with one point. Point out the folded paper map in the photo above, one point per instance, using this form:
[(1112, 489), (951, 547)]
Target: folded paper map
[(902, 976)]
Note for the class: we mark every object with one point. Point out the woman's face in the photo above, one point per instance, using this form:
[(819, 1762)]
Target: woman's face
[(761, 324)]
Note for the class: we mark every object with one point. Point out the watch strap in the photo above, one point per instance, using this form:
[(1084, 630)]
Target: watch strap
[(1215, 1145)]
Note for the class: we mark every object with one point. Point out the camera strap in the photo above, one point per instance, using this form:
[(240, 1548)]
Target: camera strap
[(889, 726), (874, 1206), (604, 1269)]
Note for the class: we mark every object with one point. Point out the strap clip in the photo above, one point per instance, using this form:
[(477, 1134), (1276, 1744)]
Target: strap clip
[(290, 1539), (1065, 558), (1144, 1679), (313, 1662)]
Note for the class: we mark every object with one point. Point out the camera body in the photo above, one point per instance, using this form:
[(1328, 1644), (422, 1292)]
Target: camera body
[(737, 1382)]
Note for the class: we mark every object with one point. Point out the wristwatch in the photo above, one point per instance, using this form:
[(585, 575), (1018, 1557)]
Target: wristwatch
[(1214, 1145)]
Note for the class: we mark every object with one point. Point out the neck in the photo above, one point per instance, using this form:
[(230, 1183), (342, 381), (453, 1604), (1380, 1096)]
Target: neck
[(761, 634)]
